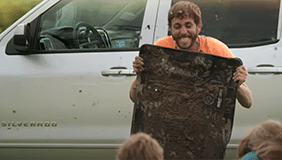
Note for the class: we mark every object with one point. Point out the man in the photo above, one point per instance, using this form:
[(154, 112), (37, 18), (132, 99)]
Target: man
[(184, 21)]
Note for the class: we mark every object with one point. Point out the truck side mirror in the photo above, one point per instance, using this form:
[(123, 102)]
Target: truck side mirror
[(22, 38)]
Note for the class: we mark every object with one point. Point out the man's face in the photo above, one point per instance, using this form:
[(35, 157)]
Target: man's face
[(184, 32)]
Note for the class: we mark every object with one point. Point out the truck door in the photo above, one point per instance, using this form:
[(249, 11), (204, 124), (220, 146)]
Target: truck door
[(252, 30), (69, 94)]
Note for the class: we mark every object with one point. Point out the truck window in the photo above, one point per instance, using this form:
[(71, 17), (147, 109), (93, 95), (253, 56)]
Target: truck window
[(88, 24), (239, 22)]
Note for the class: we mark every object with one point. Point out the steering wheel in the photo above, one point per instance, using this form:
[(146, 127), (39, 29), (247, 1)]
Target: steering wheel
[(86, 36)]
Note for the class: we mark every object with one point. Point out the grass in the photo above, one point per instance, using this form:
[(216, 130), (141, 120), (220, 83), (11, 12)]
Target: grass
[(11, 10)]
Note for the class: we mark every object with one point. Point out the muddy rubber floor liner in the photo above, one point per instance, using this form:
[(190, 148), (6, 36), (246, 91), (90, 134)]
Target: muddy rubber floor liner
[(186, 101)]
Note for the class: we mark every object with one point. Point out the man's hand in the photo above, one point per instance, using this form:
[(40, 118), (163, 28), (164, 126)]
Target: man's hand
[(240, 75), (138, 64)]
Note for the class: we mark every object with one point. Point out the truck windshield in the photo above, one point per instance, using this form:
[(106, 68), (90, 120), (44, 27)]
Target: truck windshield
[(240, 22)]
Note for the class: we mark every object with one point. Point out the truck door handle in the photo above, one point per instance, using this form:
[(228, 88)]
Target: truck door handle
[(118, 71), (265, 70)]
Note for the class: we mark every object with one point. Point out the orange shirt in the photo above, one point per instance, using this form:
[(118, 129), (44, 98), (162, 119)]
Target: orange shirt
[(207, 45)]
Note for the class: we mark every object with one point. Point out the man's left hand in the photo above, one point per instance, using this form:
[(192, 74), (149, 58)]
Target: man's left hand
[(240, 75)]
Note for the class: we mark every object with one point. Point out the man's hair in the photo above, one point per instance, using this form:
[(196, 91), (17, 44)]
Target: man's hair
[(265, 139), (185, 8), (140, 146)]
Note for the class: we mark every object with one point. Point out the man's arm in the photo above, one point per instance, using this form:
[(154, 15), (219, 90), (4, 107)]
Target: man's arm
[(138, 67), (132, 91), (244, 94)]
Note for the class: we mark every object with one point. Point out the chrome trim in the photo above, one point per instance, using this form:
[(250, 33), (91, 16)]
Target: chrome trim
[(232, 146), (105, 36)]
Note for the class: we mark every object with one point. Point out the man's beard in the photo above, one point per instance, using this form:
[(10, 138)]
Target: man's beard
[(193, 39)]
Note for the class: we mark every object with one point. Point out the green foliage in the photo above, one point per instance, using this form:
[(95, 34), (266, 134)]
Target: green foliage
[(12, 10)]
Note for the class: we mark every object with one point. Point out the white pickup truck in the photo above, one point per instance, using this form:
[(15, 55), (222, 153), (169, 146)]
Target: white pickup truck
[(66, 70)]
